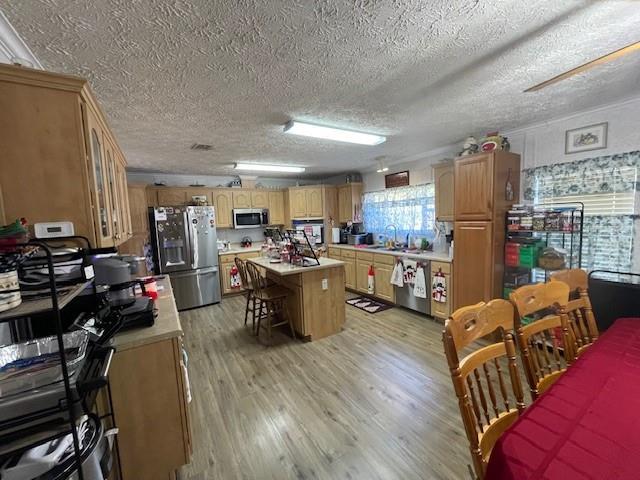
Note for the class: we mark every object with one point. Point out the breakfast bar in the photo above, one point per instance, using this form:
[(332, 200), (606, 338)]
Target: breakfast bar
[(317, 300)]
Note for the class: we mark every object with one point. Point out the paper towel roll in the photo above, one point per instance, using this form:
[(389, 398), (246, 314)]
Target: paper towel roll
[(335, 235)]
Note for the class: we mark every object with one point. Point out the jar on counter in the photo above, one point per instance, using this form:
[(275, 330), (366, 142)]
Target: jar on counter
[(526, 221), (538, 222)]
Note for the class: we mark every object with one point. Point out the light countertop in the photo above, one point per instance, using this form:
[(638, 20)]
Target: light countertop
[(236, 248), (288, 269), (436, 257), (167, 324)]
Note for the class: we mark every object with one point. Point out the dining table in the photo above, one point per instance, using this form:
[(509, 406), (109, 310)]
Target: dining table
[(587, 424)]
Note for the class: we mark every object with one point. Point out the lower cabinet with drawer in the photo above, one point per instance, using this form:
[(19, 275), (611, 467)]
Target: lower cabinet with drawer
[(383, 268), (227, 262), (442, 310)]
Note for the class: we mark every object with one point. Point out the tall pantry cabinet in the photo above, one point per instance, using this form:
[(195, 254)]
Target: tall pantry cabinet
[(59, 159), (482, 200)]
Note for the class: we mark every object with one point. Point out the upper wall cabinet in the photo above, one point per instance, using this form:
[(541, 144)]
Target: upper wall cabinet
[(276, 208), (474, 187), (260, 199), (308, 202), (350, 203), (170, 196), (223, 204), (444, 187), (241, 198), (80, 178)]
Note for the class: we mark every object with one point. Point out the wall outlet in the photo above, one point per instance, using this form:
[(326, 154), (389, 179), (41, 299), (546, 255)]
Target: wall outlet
[(325, 284)]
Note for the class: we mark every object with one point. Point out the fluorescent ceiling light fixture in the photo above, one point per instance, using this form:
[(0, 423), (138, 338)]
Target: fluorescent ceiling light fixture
[(259, 167), (329, 133), (382, 169)]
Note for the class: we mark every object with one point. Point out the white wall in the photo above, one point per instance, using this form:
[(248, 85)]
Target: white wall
[(544, 143), (420, 170)]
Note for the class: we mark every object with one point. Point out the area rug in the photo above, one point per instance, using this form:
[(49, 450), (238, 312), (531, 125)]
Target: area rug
[(368, 305)]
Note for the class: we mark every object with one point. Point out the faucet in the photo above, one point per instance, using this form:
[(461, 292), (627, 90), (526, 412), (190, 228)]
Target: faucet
[(395, 233)]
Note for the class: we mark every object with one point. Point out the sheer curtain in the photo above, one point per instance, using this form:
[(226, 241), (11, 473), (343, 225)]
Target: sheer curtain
[(608, 186), (410, 209)]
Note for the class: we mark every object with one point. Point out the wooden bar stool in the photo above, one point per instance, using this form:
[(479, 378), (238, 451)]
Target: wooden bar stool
[(272, 302), (248, 291)]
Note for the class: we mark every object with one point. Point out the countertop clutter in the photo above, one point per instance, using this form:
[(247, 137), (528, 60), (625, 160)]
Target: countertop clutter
[(167, 322), (416, 255), (284, 269)]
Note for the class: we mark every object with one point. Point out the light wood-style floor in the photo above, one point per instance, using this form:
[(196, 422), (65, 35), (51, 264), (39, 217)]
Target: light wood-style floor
[(373, 402)]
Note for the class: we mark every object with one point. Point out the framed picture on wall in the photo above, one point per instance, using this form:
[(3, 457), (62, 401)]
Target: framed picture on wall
[(583, 139), (399, 179)]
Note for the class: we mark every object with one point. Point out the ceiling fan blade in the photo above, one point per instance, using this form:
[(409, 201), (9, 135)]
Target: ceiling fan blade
[(586, 66)]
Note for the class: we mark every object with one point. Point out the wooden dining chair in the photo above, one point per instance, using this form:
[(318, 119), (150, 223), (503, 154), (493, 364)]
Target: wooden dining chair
[(252, 302), (272, 303), (488, 404), (582, 323), (545, 345)]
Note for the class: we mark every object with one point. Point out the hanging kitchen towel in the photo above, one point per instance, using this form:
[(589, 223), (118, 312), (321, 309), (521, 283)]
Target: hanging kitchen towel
[(409, 273), (397, 275), (420, 287), (439, 287)]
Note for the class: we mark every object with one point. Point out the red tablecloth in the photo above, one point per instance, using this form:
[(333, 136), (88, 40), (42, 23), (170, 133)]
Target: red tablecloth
[(587, 425)]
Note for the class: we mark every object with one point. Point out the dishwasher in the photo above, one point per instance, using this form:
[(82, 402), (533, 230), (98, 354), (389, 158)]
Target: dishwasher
[(405, 297)]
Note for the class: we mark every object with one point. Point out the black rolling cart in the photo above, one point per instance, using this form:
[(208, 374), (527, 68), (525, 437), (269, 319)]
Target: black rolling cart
[(34, 417)]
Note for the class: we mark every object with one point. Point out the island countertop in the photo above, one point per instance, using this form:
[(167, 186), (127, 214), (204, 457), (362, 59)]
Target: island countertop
[(283, 269)]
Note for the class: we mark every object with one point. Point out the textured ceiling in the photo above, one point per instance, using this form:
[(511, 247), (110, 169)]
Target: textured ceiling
[(229, 73)]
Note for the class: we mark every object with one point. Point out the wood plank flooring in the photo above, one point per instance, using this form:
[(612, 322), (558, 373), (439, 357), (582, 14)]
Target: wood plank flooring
[(372, 402)]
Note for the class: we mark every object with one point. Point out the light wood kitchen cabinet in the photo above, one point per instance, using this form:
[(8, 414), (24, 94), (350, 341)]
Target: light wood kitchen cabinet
[(152, 197), (473, 263), (149, 393), (61, 156), (442, 310), (172, 196), (227, 262), (349, 273), (137, 195), (384, 289), (3, 219), (312, 202), (276, 208), (223, 204), (383, 267), (443, 179), (242, 198), (363, 262), (486, 185), (350, 203), (315, 206), (334, 252), (298, 203), (474, 187), (260, 199)]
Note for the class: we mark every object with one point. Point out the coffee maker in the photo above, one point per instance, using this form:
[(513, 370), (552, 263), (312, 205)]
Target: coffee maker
[(113, 277)]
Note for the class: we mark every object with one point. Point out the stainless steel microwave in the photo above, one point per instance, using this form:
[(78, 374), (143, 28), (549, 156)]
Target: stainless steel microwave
[(250, 217)]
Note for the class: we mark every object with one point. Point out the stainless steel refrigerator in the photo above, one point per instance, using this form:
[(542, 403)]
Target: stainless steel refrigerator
[(185, 247)]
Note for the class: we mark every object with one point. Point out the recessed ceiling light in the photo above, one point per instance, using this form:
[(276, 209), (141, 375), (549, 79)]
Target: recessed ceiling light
[(259, 167), (330, 133)]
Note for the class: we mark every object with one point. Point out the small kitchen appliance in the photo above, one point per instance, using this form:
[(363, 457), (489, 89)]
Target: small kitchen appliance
[(250, 217)]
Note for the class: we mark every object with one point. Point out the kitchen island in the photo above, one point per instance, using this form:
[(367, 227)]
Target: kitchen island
[(317, 300)]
